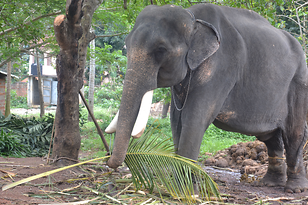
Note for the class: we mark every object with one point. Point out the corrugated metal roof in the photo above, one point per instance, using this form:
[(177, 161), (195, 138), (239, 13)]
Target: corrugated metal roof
[(4, 73)]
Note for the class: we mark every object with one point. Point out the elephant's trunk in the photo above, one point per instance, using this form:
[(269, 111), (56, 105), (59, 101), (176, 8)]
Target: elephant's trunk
[(127, 116), (133, 92)]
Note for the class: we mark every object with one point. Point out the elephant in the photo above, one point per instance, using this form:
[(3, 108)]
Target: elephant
[(225, 66)]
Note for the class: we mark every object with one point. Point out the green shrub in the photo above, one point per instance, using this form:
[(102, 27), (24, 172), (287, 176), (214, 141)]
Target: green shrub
[(107, 95), (32, 135), (18, 101), (10, 145)]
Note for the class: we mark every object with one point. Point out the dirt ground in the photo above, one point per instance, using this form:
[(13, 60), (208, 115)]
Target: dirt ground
[(233, 169), (234, 187)]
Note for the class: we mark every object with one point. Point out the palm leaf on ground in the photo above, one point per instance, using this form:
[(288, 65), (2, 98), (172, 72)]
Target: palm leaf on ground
[(153, 162)]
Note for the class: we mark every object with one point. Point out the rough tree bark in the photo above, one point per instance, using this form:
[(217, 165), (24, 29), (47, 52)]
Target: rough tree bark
[(8, 90), (40, 85), (165, 110), (73, 36), (91, 78), (67, 31)]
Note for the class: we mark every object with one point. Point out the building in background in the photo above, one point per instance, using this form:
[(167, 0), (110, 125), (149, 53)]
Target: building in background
[(20, 87), (3, 76), (49, 81), (2, 91)]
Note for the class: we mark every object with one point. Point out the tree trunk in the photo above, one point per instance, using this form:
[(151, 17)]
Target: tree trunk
[(67, 136), (91, 77), (165, 110), (8, 90), (299, 22), (40, 86), (73, 36)]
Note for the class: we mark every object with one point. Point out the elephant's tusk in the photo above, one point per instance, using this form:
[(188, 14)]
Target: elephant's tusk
[(112, 127), (143, 115), (142, 118)]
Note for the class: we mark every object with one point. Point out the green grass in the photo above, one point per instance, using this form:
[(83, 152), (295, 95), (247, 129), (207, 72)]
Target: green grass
[(214, 139), (91, 143), (90, 139)]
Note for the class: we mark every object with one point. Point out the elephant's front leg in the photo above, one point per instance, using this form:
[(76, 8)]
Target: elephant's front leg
[(188, 127), (190, 141)]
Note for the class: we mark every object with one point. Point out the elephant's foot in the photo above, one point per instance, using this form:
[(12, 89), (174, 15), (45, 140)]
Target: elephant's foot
[(196, 190), (296, 183), (271, 180), (275, 176)]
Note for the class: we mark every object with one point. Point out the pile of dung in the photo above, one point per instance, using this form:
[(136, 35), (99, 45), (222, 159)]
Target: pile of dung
[(249, 157)]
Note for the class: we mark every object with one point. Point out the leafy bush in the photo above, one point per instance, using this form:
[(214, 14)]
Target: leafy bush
[(82, 116), (107, 95), (162, 94), (10, 145), (18, 101), (25, 137)]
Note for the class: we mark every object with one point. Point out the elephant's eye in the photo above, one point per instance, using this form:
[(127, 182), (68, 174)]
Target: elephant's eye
[(159, 53)]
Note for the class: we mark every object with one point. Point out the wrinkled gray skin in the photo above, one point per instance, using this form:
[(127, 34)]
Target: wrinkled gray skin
[(254, 81)]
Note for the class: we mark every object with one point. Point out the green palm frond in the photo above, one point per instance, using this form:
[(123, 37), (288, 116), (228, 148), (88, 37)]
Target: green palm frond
[(153, 162)]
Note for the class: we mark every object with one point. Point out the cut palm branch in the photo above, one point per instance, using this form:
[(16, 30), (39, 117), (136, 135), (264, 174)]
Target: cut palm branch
[(8, 186), (153, 163)]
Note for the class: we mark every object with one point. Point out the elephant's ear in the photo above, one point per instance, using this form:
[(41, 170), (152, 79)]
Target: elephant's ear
[(204, 43)]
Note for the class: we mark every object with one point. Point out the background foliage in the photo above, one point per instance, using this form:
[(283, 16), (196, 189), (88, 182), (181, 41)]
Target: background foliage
[(28, 24), (288, 15)]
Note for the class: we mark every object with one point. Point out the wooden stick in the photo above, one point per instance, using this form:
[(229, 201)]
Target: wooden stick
[(51, 139), (100, 132)]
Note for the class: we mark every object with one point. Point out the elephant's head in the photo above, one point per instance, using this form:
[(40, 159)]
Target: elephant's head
[(164, 43)]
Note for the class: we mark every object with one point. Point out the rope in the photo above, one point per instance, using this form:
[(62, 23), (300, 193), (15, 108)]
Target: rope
[(276, 158)]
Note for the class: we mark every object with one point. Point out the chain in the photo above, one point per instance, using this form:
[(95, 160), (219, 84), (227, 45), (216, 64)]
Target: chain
[(172, 91)]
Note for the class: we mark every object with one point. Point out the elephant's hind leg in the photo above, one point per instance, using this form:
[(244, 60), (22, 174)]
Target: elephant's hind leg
[(295, 137), (276, 172), (297, 181)]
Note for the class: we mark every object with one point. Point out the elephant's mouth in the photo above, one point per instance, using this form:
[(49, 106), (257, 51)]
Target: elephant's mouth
[(142, 118)]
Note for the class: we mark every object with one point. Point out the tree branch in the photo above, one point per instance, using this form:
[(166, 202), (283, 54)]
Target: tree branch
[(88, 9), (111, 35), (23, 50), (73, 12), (298, 23), (125, 4), (302, 5), (29, 22), (110, 9), (300, 28)]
